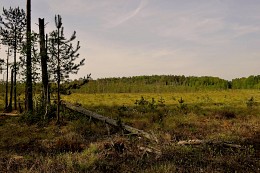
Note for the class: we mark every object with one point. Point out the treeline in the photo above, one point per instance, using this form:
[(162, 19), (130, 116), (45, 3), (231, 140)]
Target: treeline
[(164, 83), (155, 83), (251, 82)]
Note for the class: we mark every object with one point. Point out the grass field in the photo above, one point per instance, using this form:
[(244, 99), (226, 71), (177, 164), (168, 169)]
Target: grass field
[(227, 97), (227, 118)]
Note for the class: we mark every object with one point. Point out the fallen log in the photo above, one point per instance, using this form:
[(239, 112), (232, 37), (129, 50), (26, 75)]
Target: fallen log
[(9, 114), (109, 121), (191, 142), (208, 142)]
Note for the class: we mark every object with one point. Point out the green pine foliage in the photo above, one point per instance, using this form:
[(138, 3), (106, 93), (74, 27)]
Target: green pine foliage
[(63, 52)]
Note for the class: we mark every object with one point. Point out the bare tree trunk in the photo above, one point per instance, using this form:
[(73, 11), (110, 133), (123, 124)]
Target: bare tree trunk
[(6, 84), (58, 75), (10, 107), (15, 72), (28, 92), (43, 53)]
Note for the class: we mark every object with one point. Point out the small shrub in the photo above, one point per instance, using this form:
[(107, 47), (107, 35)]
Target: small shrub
[(161, 102), (123, 111), (152, 105), (145, 106), (142, 105), (250, 102), (182, 106), (142, 101)]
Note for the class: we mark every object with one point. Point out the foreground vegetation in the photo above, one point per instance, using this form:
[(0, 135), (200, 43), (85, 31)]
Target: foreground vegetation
[(83, 145)]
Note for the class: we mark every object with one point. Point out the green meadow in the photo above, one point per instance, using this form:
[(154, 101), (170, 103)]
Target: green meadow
[(225, 97)]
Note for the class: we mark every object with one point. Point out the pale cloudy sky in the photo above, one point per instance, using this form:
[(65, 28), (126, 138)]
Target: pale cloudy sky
[(147, 37)]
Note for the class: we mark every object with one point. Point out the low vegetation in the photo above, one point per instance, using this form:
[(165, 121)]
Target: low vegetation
[(228, 119)]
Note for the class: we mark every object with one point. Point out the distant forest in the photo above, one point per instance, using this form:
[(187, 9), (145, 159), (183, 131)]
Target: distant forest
[(162, 83)]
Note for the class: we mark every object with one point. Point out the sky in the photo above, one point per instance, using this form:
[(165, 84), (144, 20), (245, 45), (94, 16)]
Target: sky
[(157, 37)]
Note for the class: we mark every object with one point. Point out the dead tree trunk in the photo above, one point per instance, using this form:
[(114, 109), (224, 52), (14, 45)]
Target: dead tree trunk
[(28, 92), (43, 54), (109, 121)]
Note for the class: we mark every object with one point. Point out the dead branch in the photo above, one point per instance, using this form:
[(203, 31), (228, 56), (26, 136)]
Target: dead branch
[(208, 142)]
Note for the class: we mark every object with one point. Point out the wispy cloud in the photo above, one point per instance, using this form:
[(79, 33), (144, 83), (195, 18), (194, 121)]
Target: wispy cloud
[(125, 17)]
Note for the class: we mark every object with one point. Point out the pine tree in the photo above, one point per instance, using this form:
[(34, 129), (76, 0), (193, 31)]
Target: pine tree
[(62, 57), (35, 59), (12, 31)]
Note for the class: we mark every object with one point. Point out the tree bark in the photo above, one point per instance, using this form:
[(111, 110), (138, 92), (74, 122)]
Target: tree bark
[(28, 92)]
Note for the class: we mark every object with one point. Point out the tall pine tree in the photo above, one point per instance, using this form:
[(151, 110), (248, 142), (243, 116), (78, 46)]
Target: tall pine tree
[(62, 57), (12, 31)]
